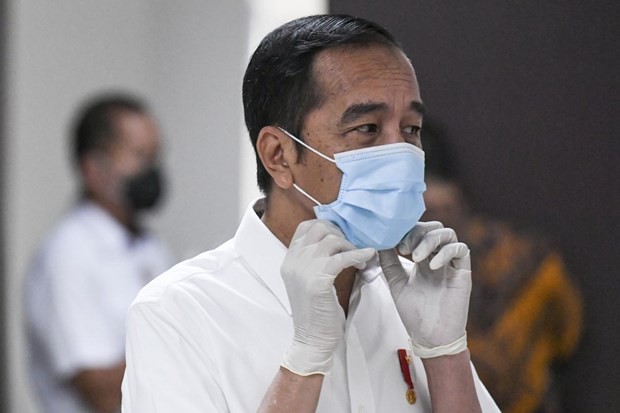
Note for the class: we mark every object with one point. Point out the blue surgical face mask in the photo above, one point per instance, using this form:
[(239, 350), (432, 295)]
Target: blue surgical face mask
[(380, 198)]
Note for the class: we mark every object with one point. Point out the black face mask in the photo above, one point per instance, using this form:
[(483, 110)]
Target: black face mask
[(144, 190)]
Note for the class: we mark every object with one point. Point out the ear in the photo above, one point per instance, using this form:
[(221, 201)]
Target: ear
[(91, 171), (277, 153)]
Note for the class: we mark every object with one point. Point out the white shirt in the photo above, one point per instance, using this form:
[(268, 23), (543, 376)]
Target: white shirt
[(77, 292), (209, 336)]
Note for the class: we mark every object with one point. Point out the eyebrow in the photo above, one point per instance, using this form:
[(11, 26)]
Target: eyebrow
[(355, 111), (418, 107)]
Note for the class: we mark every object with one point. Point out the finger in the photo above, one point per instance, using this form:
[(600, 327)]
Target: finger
[(373, 262), (332, 244), (312, 231), (431, 241), (364, 264), (389, 261), (448, 253), (346, 259), (412, 239), (391, 266)]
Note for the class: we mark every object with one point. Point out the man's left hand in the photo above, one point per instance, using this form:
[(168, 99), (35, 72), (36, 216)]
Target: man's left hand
[(432, 300)]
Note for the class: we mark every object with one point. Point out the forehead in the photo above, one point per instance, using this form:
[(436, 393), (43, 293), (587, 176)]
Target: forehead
[(134, 128), (134, 132), (354, 74)]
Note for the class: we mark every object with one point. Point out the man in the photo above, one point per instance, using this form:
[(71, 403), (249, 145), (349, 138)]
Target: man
[(92, 265), (526, 312), (295, 313)]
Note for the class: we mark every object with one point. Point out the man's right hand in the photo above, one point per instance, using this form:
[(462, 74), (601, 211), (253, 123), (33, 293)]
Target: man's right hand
[(317, 254)]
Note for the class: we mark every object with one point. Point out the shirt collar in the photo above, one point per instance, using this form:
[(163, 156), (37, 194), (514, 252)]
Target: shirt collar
[(108, 228), (371, 271), (262, 251), (265, 253)]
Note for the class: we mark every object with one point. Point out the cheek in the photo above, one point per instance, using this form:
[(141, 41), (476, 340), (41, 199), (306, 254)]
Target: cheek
[(115, 179), (329, 179), (114, 185), (131, 166), (130, 163)]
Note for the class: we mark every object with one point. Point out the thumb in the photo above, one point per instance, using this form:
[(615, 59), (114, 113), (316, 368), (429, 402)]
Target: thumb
[(457, 253), (392, 268), (354, 258)]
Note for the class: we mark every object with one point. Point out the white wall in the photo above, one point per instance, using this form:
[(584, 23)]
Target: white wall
[(266, 15), (182, 57), (186, 59)]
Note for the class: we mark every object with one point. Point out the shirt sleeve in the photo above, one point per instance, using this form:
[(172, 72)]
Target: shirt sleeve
[(166, 371), (73, 325)]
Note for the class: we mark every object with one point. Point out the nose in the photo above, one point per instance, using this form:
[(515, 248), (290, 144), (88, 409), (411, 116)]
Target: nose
[(392, 135)]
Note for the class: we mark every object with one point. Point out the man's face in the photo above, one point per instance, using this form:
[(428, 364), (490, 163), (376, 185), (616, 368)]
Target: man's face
[(135, 148), (371, 98)]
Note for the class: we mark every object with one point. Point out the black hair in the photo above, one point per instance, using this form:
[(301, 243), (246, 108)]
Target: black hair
[(278, 86), (95, 126)]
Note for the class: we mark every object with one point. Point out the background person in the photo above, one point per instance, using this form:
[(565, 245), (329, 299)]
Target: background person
[(525, 313), (296, 313), (92, 264)]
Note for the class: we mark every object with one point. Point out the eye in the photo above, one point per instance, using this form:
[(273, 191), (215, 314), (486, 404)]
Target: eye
[(368, 128), (412, 135), (413, 130)]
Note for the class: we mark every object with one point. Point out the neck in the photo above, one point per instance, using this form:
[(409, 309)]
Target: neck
[(283, 213), (123, 215), (344, 285)]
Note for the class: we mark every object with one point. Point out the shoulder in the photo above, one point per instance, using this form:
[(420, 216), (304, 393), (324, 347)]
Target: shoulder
[(70, 237), (202, 274), (193, 300)]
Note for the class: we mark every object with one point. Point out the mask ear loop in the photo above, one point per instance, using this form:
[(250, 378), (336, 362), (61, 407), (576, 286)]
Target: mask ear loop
[(306, 194), (307, 146), (316, 152)]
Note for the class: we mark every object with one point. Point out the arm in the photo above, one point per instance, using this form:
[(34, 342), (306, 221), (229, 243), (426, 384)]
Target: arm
[(101, 388), (167, 371), (451, 383), (317, 254), (432, 302), (291, 392), (79, 333)]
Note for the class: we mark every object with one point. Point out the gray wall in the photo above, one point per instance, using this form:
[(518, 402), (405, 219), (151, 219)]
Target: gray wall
[(3, 332), (184, 58), (529, 94)]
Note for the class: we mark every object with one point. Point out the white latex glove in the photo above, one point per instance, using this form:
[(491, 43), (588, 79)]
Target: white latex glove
[(432, 300), (317, 254)]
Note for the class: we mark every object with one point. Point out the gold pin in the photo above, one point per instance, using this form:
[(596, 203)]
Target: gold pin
[(411, 396), (405, 360)]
